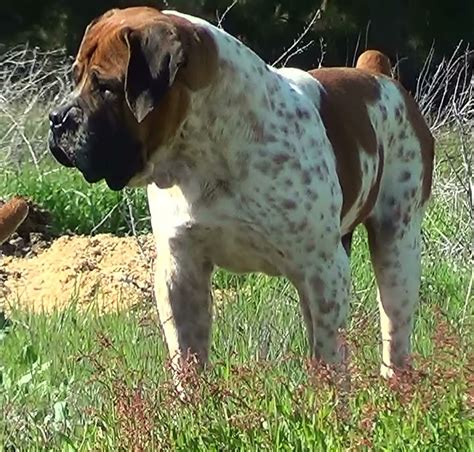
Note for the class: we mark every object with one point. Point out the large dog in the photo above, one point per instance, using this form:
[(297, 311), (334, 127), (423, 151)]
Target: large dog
[(252, 169)]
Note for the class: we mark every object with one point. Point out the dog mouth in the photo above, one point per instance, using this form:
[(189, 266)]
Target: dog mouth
[(69, 160), (58, 152), (98, 144)]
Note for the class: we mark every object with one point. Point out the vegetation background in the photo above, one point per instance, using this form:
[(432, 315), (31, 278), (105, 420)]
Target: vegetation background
[(404, 29), (79, 379)]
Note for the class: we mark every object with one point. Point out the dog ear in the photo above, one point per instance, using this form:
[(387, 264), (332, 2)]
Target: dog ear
[(155, 55)]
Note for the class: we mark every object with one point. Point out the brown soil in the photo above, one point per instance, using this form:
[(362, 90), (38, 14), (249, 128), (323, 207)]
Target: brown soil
[(113, 272), (39, 272)]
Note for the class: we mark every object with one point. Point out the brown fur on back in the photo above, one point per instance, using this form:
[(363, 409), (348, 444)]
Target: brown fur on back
[(344, 113)]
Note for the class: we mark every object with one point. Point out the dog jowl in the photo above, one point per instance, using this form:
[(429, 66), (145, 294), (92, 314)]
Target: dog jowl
[(87, 138)]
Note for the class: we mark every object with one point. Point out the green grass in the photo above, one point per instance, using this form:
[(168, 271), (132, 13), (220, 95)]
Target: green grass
[(77, 380), (77, 206)]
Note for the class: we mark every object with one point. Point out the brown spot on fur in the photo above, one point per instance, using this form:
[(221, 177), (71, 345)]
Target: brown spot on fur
[(303, 225), (306, 177), (323, 256), (344, 112), (289, 204), (406, 218), (391, 201), (326, 306), (281, 158), (295, 165), (404, 176), (373, 193), (262, 166), (398, 114), (375, 62), (317, 285), (302, 114), (319, 344)]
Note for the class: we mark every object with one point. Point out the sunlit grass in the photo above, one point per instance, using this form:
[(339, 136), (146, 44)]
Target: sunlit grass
[(77, 380)]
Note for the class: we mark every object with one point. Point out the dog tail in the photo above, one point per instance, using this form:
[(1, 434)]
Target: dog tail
[(375, 62), (12, 214)]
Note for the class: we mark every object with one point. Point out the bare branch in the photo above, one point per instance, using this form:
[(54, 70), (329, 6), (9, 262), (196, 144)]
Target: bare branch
[(297, 51), (227, 10), (445, 93), (30, 82), (322, 48), (291, 49)]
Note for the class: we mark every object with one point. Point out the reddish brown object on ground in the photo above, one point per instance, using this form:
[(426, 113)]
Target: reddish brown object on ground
[(12, 214)]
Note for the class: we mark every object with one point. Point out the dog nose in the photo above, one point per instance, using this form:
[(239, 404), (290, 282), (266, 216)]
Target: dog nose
[(63, 116), (55, 117)]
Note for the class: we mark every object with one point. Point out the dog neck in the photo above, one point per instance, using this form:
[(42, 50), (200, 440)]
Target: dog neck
[(226, 122)]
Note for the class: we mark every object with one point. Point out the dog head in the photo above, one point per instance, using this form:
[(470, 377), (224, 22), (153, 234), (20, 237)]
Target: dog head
[(133, 77)]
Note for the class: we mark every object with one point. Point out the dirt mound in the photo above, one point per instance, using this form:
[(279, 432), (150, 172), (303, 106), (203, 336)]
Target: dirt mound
[(114, 272)]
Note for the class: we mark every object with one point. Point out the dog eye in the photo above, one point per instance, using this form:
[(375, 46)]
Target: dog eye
[(105, 90), (107, 87)]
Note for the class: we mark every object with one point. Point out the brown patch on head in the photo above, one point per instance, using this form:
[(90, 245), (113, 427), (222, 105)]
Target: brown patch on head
[(375, 62), (161, 124), (132, 48), (134, 74), (347, 93)]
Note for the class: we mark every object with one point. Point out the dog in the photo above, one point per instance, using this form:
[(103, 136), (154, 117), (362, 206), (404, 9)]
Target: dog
[(12, 214), (253, 169)]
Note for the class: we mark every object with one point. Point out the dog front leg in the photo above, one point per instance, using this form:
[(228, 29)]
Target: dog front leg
[(183, 297)]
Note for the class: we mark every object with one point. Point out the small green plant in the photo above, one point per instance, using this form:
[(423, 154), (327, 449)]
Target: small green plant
[(75, 205)]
